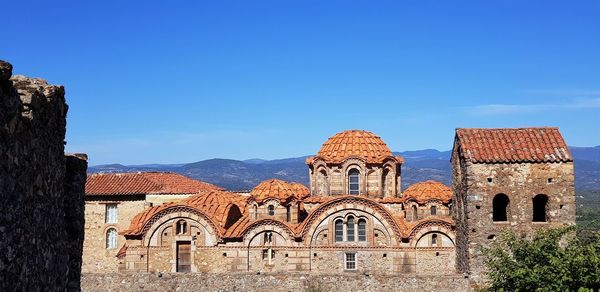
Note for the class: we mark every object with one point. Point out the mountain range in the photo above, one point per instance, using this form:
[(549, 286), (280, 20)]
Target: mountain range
[(420, 165)]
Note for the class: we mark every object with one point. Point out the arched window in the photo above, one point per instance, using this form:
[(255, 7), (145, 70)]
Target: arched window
[(433, 210), (322, 183), (268, 238), (354, 182), (539, 208), (434, 240), (339, 230), (384, 182), (350, 229), (181, 227), (500, 207), (415, 212), (255, 211), (271, 210), (362, 230), (288, 212), (111, 238)]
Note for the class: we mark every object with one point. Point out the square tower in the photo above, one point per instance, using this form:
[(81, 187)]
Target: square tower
[(520, 179)]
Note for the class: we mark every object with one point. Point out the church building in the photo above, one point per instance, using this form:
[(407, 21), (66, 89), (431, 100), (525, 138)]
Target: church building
[(355, 217)]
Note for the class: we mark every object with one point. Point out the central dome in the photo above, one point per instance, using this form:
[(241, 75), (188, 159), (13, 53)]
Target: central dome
[(354, 143)]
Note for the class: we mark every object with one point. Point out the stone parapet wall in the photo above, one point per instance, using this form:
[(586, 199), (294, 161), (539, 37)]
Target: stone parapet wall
[(270, 282), (41, 190)]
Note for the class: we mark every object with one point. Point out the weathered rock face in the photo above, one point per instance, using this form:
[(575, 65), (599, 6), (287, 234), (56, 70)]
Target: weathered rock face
[(41, 190)]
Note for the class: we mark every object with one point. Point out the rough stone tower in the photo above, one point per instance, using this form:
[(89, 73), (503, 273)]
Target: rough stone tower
[(355, 162), (520, 179), (41, 189)]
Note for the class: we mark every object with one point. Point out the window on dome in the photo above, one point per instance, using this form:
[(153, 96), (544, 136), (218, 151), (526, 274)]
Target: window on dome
[(433, 210), (255, 211), (288, 212), (111, 238), (353, 182), (415, 212), (271, 210)]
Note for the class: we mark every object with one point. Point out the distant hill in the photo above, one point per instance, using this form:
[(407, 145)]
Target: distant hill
[(420, 165)]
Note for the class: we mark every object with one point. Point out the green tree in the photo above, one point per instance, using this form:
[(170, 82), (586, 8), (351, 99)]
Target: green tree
[(563, 259)]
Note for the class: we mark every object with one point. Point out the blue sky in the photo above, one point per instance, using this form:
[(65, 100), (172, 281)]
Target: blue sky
[(182, 81)]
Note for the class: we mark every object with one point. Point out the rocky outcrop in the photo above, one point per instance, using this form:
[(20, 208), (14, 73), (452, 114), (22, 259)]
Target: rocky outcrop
[(41, 189)]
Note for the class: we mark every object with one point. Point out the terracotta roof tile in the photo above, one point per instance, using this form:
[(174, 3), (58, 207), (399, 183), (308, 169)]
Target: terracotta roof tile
[(428, 190), (354, 143), (515, 145), (107, 184), (280, 190), (214, 203)]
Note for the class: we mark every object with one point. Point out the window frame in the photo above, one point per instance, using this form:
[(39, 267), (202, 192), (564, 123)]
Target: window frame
[(361, 237), (271, 210), (111, 213), (111, 240), (348, 261), (354, 173)]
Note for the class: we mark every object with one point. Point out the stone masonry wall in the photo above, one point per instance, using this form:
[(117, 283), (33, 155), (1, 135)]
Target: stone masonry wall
[(96, 257), (269, 282), (41, 190), (521, 182)]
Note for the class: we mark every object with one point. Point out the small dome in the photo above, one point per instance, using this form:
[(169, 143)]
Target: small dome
[(428, 190), (278, 189), (354, 143)]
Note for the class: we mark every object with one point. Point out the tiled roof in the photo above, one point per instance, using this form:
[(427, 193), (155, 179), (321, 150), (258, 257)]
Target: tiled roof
[(278, 189), (107, 184), (354, 143), (512, 145), (214, 203), (428, 190)]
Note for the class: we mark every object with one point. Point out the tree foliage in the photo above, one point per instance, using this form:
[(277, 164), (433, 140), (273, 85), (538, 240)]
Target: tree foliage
[(563, 259)]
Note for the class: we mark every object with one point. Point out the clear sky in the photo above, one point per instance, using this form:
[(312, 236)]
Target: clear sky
[(182, 81)]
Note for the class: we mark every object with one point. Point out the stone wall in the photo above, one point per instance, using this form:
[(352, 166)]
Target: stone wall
[(41, 223), (270, 282), (96, 257), (476, 185)]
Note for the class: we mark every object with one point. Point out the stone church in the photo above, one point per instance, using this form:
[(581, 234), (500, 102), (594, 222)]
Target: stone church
[(354, 218)]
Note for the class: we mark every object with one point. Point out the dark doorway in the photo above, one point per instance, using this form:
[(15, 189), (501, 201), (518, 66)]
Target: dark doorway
[(500, 207), (539, 208)]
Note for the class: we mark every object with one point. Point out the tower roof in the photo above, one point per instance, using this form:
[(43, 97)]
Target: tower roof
[(354, 143), (514, 145)]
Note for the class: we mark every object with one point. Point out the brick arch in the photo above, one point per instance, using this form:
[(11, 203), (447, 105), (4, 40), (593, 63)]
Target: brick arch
[(163, 216), (431, 226), (253, 229), (327, 209), (283, 231)]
